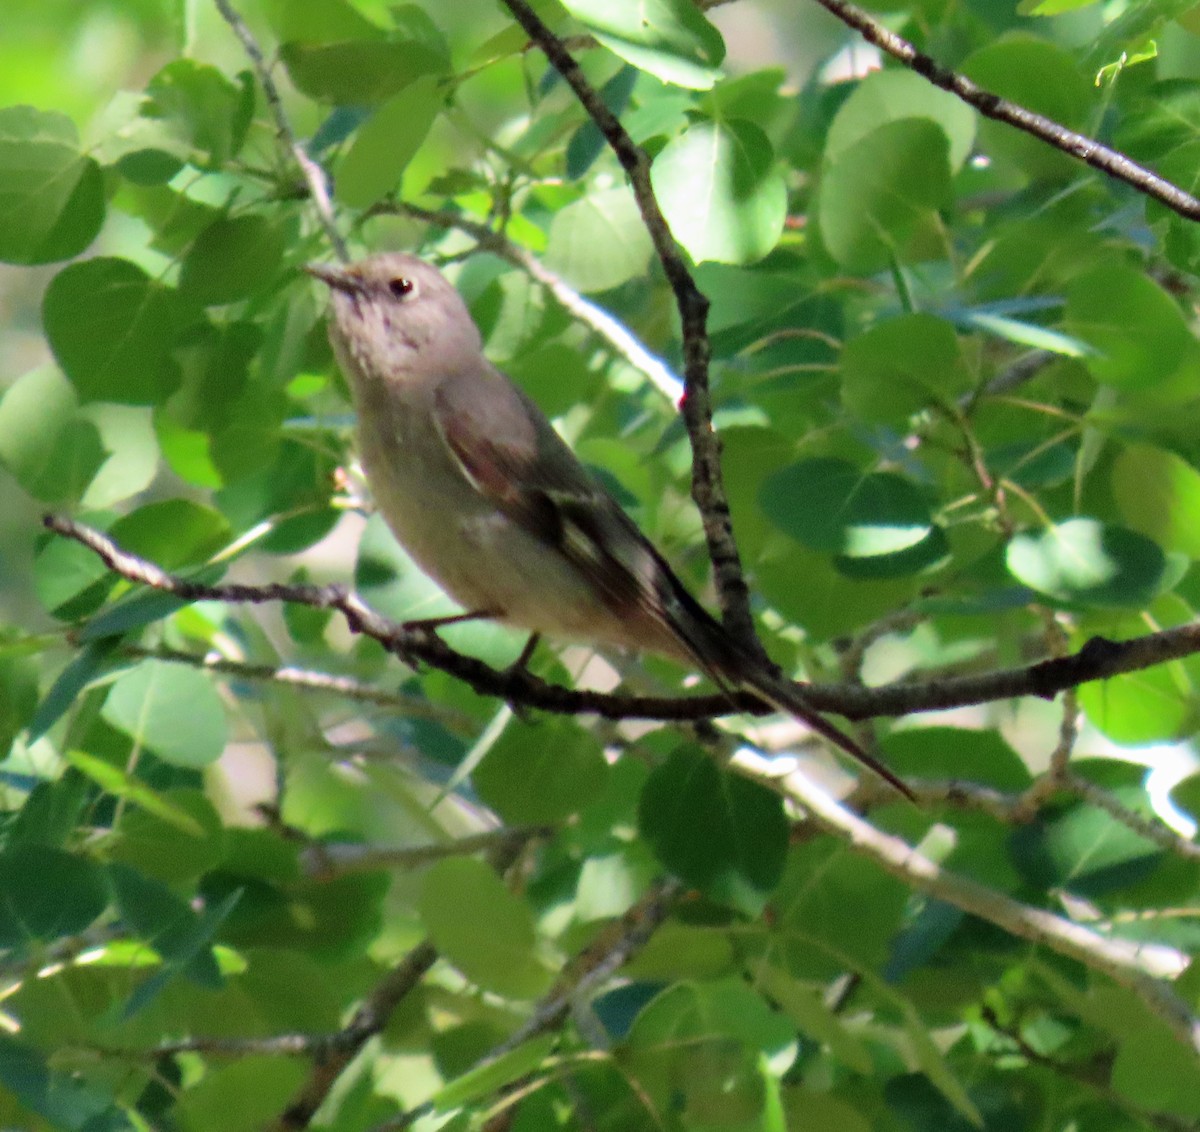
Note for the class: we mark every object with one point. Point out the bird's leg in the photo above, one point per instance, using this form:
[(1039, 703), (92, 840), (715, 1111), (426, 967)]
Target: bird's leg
[(520, 664)]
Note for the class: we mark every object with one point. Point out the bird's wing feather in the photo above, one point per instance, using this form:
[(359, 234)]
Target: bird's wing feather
[(515, 459)]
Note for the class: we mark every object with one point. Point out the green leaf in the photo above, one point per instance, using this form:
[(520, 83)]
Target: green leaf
[(51, 194), (358, 72), (231, 259), (1153, 705), (874, 193), (900, 366), (241, 1097), (202, 108), (65, 1099), (85, 666), (599, 242), (111, 327), (46, 894), (148, 839), (952, 753), (1137, 331), (715, 830), (669, 39), (1156, 1071), (1042, 77), (51, 812), (538, 773), (830, 505), (459, 897), (491, 1076), (1089, 563), (721, 191), (844, 904), (172, 533), (172, 710), (1158, 494), (51, 451), (121, 784), (1082, 850), (888, 96), (386, 142)]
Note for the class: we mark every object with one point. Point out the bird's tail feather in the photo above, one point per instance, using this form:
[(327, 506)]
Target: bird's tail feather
[(789, 697)]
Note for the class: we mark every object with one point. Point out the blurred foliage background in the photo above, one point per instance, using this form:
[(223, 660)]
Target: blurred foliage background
[(956, 378)]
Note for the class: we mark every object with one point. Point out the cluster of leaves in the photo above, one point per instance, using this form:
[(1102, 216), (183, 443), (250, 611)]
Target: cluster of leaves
[(956, 379)]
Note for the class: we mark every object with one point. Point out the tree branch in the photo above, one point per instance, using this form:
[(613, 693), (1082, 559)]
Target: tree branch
[(1123, 962), (1109, 161), (318, 186), (1098, 659), (708, 489)]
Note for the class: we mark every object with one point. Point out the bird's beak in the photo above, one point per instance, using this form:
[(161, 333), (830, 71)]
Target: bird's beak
[(336, 277)]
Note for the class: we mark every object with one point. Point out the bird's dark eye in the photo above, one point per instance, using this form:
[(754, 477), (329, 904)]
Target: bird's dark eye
[(401, 287)]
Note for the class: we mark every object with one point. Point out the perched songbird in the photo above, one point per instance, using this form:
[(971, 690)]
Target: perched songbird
[(491, 503)]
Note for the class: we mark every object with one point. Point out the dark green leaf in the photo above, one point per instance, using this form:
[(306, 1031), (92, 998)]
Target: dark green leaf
[(111, 326), (46, 894), (541, 772), (51, 194), (1086, 562), (715, 830)]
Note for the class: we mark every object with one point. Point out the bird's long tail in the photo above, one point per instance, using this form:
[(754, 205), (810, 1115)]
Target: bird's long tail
[(790, 698)]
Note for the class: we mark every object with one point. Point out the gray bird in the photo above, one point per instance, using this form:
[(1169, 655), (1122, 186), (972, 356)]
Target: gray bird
[(491, 503)]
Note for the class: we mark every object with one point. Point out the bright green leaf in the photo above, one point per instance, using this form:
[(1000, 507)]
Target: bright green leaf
[(386, 142), (721, 191), (1086, 562), (1158, 494), (172, 710), (900, 366), (874, 193), (670, 39), (1136, 329), (482, 928), (599, 241), (888, 96), (51, 194)]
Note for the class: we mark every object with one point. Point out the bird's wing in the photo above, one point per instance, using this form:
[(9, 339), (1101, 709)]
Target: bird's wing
[(513, 457)]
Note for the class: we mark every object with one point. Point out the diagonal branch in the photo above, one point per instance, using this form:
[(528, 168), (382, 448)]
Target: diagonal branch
[(1098, 659), (1109, 161), (318, 186), (1123, 961), (708, 489)]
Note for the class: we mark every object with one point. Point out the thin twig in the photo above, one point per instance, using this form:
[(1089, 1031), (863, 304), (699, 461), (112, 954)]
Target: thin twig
[(318, 186), (590, 969), (1098, 659), (411, 706), (1109, 161), (599, 321), (1124, 962), (325, 862), (1151, 830), (370, 1018), (708, 488)]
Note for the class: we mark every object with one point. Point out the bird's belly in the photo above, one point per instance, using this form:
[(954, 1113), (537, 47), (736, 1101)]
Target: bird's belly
[(477, 554)]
